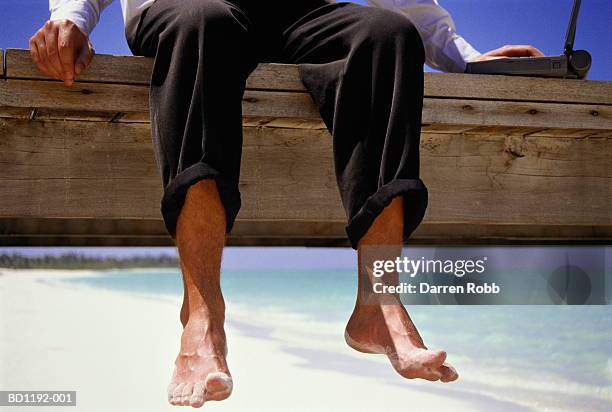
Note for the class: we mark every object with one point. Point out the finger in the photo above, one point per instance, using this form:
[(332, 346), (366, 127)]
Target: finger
[(34, 51), (37, 61), (66, 55), (521, 51), (43, 62), (84, 59), (535, 51), (50, 32)]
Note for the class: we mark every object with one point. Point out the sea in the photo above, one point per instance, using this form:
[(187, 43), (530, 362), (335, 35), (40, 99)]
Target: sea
[(531, 358)]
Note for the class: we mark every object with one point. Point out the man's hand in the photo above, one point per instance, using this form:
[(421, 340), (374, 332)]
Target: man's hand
[(61, 50), (510, 51)]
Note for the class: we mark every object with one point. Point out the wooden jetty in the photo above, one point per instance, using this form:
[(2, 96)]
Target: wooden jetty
[(507, 160)]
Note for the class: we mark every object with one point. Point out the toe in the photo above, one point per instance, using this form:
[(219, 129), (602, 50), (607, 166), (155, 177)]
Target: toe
[(197, 395), (433, 358), (218, 385), (177, 394), (186, 394), (170, 392), (449, 373), (431, 375), (420, 372)]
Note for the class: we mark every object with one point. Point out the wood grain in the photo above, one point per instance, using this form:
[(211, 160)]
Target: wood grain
[(271, 76), (506, 160), (151, 232), (116, 98), (83, 170), (136, 70)]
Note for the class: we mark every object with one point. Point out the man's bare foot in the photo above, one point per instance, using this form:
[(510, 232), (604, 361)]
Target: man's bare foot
[(387, 329), (201, 373)]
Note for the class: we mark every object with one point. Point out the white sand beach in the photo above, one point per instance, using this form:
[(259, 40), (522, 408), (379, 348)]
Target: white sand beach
[(116, 349)]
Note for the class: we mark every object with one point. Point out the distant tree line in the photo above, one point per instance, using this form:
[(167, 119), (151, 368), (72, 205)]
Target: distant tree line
[(78, 261)]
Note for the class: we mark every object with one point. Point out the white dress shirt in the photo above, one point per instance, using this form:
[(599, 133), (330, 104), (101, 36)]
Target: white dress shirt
[(444, 48)]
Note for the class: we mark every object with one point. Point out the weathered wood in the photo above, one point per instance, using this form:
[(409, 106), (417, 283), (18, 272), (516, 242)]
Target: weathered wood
[(103, 97), (506, 160), (141, 232), (532, 186), (516, 114), (136, 70)]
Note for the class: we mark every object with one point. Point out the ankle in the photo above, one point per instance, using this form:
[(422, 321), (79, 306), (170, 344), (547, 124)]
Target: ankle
[(214, 315)]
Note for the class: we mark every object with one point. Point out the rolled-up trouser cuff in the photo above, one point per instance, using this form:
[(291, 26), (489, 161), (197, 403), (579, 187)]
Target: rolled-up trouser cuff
[(174, 195), (414, 192)]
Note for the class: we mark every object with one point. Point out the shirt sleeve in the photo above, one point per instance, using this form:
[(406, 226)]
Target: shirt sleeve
[(84, 13), (444, 48)]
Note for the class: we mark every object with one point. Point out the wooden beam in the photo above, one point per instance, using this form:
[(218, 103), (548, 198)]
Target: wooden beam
[(150, 232), (104, 97), (506, 160), (106, 172), (271, 76), (137, 71)]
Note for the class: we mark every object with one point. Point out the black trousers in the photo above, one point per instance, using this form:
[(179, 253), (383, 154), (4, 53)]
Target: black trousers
[(363, 67)]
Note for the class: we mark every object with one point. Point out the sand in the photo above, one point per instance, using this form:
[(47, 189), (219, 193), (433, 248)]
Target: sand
[(117, 350)]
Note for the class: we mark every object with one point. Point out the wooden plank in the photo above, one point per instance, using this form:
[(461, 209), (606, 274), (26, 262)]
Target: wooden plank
[(506, 159), (15, 112), (517, 114), (145, 232), (104, 97), (100, 97), (577, 133), (2, 71), (84, 96), (83, 170), (515, 88), (135, 70), (103, 68)]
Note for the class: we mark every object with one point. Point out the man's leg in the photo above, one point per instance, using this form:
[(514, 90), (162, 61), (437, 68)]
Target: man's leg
[(363, 66), (204, 51), (385, 327), (201, 372)]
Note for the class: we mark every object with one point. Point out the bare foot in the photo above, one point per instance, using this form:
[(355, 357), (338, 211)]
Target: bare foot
[(201, 373), (388, 330)]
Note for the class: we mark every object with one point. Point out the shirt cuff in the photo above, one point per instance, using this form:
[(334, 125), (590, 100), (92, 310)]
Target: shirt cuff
[(467, 51), (77, 12)]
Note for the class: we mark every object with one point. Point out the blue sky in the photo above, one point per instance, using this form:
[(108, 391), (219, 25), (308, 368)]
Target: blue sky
[(487, 24)]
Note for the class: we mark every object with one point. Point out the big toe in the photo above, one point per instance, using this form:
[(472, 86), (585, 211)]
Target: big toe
[(432, 358), (449, 373), (218, 385)]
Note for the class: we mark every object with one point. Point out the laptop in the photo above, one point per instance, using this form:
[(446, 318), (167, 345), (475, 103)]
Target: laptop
[(571, 64)]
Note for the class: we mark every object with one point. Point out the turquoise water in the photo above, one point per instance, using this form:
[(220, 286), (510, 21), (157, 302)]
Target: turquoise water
[(573, 343)]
